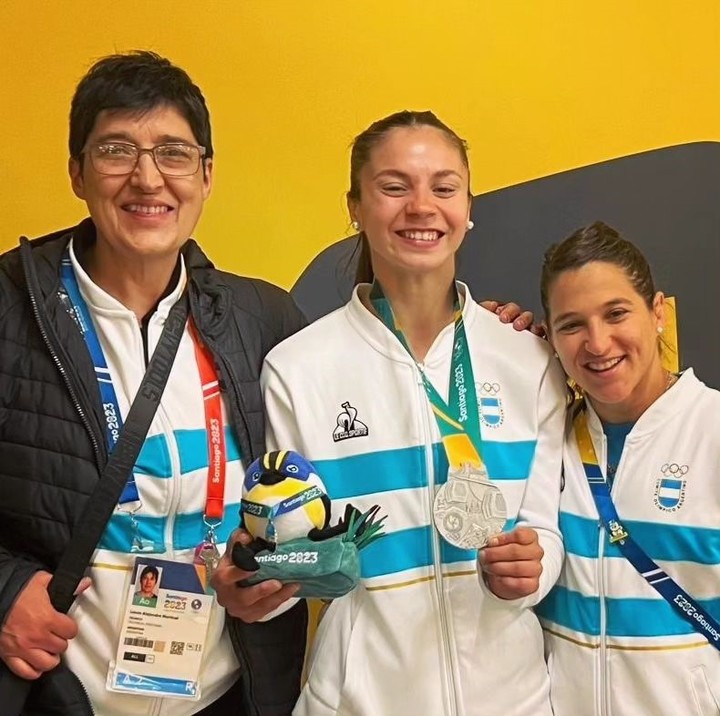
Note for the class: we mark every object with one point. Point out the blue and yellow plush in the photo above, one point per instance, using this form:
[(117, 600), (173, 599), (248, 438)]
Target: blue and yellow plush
[(286, 509), (283, 498)]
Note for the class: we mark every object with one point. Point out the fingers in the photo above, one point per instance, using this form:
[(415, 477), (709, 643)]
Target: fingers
[(250, 603), (84, 584), (490, 305), (512, 587), (513, 554), (64, 626), (239, 535), (22, 668), (523, 321), (34, 634), (523, 569), (512, 563), (520, 535), (257, 601)]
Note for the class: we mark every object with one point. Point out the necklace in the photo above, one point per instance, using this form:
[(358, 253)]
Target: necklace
[(672, 378)]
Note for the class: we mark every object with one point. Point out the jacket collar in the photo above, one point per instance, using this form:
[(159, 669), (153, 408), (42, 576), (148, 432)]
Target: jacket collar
[(209, 292)]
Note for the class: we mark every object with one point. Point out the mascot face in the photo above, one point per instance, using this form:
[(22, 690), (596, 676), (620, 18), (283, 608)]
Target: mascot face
[(283, 497)]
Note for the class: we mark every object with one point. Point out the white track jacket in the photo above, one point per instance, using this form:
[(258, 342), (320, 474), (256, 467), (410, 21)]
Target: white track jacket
[(615, 646), (421, 634)]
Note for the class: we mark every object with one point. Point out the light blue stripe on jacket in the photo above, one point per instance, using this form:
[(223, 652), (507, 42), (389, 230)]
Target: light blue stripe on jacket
[(404, 468), (659, 541), (624, 617), (188, 531)]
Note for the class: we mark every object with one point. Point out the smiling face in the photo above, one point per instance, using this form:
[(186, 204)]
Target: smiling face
[(414, 203), (607, 339), (143, 215)]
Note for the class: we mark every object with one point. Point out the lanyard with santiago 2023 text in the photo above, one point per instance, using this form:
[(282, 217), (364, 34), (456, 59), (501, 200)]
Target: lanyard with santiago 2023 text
[(214, 505), (669, 589), (458, 421)]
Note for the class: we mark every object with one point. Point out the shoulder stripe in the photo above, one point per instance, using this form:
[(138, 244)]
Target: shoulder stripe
[(661, 542)]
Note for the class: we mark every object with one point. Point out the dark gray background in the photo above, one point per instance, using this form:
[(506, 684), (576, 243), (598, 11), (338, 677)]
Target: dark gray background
[(666, 201)]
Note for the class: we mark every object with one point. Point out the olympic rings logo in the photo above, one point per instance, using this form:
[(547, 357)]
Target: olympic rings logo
[(672, 469)]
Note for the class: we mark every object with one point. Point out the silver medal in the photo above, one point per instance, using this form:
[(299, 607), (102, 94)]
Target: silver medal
[(469, 509)]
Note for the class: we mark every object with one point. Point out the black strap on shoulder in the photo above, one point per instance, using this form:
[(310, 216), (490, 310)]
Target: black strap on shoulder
[(90, 526), (99, 508)]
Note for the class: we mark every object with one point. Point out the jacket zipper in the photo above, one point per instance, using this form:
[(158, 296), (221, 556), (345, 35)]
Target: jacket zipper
[(39, 319), (31, 284), (437, 562), (603, 605), (87, 698)]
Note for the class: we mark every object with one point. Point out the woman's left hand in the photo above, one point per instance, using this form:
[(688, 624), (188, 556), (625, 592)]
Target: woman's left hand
[(512, 563)]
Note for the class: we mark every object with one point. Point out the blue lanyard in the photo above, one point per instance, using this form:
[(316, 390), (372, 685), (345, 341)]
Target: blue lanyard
[(110, 405), (669, 589)]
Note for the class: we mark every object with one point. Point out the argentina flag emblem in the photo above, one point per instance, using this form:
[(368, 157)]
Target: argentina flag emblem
[(491, 408), (670, 487)]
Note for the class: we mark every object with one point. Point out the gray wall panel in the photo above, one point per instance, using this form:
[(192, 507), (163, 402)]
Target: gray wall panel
[(667, 201)]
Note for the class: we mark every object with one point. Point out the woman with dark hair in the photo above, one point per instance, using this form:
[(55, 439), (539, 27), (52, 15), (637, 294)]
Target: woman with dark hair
[(632, 625), (414, 398)]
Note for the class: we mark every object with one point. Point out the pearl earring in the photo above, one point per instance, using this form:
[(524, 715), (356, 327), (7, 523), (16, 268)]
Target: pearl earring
[(660, 329), (355, 225), (470, 224)]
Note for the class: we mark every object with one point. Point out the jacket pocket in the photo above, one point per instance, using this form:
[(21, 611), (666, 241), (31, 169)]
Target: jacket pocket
[(707, 698)]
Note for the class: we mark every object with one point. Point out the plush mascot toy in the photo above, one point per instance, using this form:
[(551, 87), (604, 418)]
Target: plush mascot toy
[(286, 510)]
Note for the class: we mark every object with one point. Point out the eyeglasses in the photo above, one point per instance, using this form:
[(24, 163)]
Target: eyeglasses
[(118, 158)]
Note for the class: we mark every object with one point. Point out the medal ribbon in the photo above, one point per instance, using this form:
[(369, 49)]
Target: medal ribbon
[(214, 504), (459, 419), (671, 591)]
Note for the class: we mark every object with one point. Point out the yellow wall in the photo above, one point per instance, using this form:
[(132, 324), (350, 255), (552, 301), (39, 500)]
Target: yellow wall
[(537, 86)]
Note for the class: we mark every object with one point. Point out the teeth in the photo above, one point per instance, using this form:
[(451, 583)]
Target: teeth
[(143, 209), (604, 365), (421, 235)]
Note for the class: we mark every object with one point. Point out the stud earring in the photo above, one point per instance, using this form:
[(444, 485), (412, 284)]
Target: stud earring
[(660, 329), (470, 224), (355, 225)]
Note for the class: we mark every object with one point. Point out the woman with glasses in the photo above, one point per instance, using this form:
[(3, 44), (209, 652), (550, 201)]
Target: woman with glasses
[(633, 625), (82, 313), (414, 398)]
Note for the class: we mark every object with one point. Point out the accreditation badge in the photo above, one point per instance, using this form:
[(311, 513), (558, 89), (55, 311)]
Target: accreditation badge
[(164, 631), (469, 509)]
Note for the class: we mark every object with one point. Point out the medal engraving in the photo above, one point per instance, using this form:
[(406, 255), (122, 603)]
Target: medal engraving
[(469, 509)]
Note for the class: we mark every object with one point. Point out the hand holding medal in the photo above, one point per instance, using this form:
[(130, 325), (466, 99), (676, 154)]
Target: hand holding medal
[(512, 563)]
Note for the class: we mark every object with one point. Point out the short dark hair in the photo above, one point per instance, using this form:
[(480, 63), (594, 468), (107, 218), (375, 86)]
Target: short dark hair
[(596, 242), (362, 147), (137, 81), (150, 569)]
